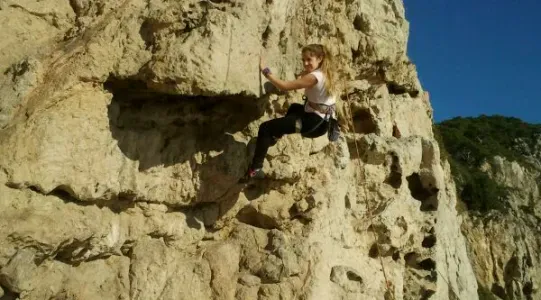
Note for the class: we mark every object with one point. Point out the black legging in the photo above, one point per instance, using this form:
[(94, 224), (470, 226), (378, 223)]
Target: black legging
[(270, 131)]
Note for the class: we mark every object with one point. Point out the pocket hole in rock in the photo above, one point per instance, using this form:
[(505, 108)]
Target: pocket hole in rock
[(361, 23), (429, 241), (426, 293), (395, 176), (374, 251), (354, 276), (364, 122), (428, 197), (265, 36), (527, 289), (427, 264)]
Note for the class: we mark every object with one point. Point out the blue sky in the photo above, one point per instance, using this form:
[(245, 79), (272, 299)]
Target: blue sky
[(478, 56)]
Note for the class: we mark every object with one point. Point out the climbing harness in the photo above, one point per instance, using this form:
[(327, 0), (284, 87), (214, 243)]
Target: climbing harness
[(333, 131)]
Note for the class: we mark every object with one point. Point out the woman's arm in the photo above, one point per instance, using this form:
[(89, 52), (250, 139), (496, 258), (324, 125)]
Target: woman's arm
[(304, 80)]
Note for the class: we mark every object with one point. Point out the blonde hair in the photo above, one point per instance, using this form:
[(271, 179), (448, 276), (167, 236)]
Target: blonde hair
[(326, 66)]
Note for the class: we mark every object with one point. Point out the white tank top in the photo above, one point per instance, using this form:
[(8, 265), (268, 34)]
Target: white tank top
[(318, 93)]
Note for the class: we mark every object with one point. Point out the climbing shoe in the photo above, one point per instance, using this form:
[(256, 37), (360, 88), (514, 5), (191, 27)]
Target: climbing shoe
[(252, 174)]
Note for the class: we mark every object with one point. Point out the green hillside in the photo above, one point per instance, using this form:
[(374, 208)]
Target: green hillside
[(468, 142)]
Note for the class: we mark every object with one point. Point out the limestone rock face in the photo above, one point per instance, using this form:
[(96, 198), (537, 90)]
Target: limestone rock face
[(504, 247), (126, 124)]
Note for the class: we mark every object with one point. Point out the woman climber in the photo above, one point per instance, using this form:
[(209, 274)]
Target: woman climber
[(311, 119)]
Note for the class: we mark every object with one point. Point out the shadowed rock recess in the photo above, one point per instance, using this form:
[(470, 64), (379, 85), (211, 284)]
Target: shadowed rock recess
[(126, 124)]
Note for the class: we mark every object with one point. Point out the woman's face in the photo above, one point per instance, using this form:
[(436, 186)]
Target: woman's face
[(310, 61)]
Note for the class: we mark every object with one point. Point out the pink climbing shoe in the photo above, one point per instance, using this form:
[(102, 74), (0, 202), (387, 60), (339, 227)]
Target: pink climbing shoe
[(252, 174)]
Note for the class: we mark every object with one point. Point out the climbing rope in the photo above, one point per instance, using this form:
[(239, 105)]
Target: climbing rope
[(305, 31), (388, 284), (369, 208)]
